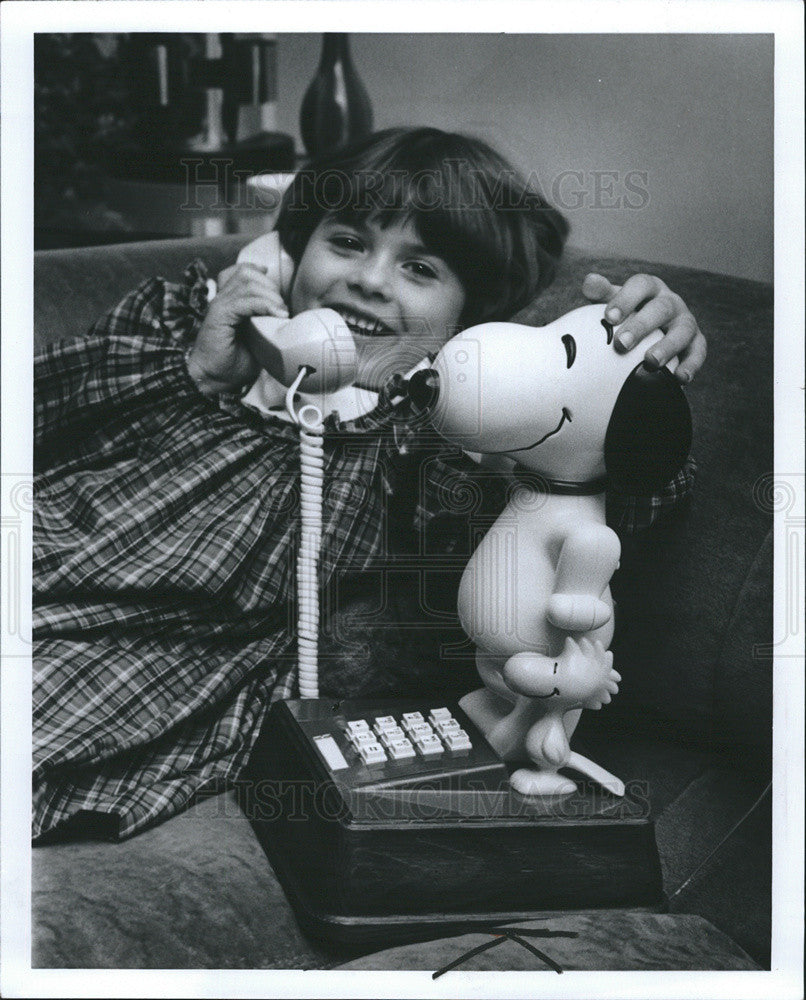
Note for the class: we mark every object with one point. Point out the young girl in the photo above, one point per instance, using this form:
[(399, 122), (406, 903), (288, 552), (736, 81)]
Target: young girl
[(167, 503)]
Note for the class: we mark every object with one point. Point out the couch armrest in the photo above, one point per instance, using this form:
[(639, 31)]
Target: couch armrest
[(72, 288)]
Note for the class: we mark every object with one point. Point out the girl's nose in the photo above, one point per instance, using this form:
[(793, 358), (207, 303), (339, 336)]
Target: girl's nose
[(372, 277)]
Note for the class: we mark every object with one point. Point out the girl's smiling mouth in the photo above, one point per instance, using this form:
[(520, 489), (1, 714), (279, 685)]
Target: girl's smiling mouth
[(361, 323)]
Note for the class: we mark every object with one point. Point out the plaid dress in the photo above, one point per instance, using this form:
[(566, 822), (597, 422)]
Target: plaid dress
[(165, 536)]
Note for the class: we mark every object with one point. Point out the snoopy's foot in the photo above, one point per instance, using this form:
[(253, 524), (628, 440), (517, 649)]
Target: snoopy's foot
[(529, 782)]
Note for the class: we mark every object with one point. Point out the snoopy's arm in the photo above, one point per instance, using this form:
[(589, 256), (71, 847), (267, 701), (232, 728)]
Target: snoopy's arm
[(588, 558)]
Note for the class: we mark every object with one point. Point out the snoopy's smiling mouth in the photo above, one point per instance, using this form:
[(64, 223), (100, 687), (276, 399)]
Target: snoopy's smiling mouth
[(566, 415), (554, 693)]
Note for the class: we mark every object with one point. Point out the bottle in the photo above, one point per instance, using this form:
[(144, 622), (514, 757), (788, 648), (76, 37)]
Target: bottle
[(336, 107)]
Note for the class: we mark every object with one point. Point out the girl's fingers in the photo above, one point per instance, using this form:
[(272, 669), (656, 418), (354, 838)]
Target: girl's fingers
[(597, 288), (635, 291), (692, 359), (658, 314), (642, 305), (243, 290), (276, 307), (258, 303), (680, 334), (241, 268)]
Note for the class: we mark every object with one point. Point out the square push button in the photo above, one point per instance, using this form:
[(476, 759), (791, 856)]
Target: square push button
[(383, 723), (391, 735), (420, 729), (372, 753), (447, 726), (457, 740), (399, 749), (428, 745), (412, 719), (363, 739)]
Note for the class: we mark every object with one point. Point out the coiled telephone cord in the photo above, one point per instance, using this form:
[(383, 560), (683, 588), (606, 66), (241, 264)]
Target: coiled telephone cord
[(312, 463)]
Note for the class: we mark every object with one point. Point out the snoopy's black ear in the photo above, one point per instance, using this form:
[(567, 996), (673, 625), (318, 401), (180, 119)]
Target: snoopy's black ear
[(649, 434)]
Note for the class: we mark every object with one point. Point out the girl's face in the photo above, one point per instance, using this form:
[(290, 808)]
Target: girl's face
[(399, 300)]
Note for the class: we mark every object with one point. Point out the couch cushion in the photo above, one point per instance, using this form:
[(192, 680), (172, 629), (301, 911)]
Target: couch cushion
[(198, 892), (194, 893), (713, 829)]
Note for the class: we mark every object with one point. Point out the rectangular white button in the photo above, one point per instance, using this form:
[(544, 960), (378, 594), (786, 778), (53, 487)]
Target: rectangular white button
[(446, 726), (329, 749)]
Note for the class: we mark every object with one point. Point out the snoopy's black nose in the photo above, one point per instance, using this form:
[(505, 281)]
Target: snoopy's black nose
[(424, 388)]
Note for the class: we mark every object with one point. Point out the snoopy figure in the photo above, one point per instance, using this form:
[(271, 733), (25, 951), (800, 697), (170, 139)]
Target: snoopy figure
[(571, 417)]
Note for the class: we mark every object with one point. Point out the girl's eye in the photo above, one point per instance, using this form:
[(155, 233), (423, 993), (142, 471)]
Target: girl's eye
[(421, 269), (346, 242)]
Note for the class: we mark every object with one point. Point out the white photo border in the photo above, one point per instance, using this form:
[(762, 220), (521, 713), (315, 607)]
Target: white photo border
[(19, 21)]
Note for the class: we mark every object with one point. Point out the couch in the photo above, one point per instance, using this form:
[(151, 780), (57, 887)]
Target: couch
[(692, 720)]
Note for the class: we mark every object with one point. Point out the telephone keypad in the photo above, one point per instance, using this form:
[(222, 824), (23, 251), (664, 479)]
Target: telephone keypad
[(385, 737)]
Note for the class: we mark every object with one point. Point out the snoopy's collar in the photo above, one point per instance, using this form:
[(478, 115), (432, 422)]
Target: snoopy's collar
[(540, 484)]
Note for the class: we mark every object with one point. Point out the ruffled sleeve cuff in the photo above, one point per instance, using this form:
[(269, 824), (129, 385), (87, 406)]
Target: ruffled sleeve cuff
[(630, 514)]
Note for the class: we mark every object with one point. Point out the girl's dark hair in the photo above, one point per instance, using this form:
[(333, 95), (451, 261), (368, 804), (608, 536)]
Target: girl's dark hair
[(469, 207)]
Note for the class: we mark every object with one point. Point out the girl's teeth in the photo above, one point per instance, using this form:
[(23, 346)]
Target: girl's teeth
[(360, 324)]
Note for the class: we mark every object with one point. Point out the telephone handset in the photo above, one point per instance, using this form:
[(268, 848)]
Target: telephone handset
[(318, 339)]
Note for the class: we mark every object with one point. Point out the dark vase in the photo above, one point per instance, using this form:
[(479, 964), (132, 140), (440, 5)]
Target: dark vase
[(336, 107)]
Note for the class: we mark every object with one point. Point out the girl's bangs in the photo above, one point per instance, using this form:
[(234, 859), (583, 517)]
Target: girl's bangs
[(449, 218)]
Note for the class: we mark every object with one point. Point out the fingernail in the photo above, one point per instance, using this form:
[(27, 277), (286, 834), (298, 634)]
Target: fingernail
[(626, 340), (684, 377), (652, 360), (613, 315)]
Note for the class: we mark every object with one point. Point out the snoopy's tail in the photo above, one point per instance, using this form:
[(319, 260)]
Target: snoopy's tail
[(595, 773)]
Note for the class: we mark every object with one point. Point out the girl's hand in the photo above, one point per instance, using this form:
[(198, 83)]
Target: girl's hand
[(218, 360), (644, 304)]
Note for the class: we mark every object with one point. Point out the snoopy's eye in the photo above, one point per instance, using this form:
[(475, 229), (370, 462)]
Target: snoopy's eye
[(570, 349)]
